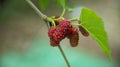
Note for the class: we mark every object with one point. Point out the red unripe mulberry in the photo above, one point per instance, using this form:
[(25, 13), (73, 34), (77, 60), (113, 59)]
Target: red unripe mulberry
[(83, 31), (73, 37)]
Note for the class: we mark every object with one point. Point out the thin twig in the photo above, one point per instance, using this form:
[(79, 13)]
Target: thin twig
[(44, 17), (64, 56)]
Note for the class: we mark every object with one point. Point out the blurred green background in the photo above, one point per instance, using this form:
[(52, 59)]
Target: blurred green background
[(24, 41)]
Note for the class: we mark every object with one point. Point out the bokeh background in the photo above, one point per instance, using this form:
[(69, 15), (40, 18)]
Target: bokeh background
[(24, 41)]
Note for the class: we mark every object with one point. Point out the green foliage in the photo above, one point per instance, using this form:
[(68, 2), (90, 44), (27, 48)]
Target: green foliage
[(94, 25), (43, 3), (61, 3)]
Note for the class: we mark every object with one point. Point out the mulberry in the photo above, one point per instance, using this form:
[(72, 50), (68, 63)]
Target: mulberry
[(65, 25), (83, 31), (57, 16), (55, 36), (50, 33), (73, 37)]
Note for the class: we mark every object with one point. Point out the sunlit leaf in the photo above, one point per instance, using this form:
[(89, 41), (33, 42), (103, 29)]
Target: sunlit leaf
[(94, 25), (43, 3)]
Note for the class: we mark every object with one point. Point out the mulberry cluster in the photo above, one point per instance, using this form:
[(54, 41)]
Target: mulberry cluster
[(64, 29)]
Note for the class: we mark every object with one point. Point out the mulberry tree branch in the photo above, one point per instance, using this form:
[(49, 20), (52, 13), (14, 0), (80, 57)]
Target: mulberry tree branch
[(46, 19), (43, 16)]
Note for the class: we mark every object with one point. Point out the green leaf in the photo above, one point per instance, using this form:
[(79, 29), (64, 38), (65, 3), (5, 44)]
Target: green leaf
[(61, 3), (43, 3), (94, 25)]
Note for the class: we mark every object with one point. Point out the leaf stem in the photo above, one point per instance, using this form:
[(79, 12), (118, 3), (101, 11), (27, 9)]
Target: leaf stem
[(63, 12), (46, 19), (74, 24), (52, 21), (74, 19)]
